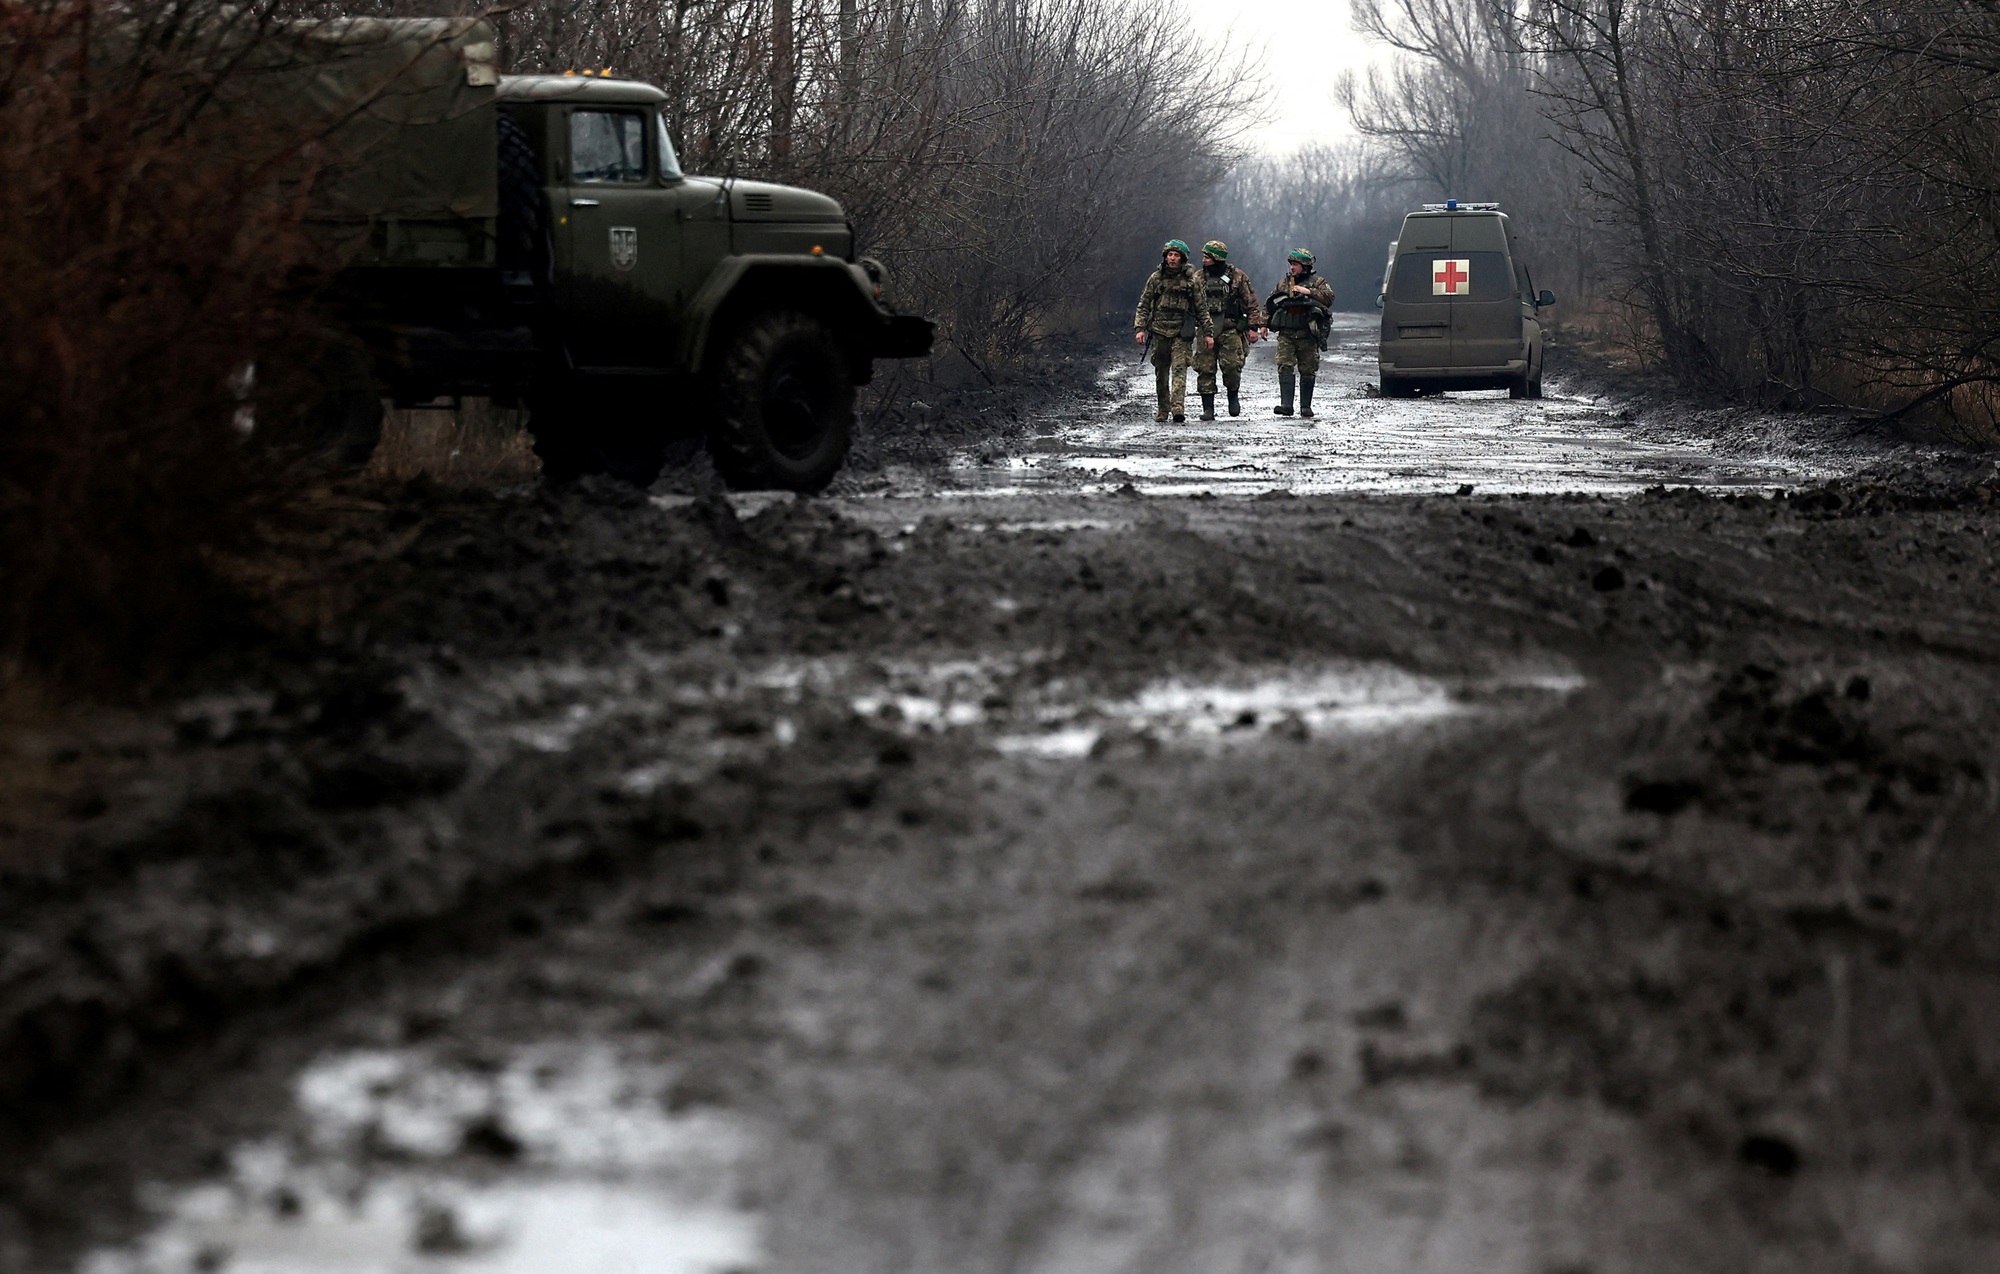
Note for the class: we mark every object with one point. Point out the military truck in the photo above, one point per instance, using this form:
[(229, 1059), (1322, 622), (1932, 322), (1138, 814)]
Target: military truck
[(1459, 309), (534, 239)]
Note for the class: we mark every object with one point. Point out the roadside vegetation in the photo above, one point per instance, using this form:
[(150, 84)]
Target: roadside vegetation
[(149, 250), (991, 154), (1787, 201)]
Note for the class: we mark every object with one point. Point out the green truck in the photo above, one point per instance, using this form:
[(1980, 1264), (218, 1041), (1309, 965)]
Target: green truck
[(533, 239)]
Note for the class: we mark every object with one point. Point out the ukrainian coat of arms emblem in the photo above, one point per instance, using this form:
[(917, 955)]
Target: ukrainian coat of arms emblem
[(624, 247)]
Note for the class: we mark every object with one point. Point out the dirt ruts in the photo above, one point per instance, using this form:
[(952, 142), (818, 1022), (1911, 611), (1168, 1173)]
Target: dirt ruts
[(1673, 828)]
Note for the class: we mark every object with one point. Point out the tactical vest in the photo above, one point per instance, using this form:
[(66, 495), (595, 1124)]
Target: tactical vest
[(1225, 299), (1294, 313), (1176, 294)]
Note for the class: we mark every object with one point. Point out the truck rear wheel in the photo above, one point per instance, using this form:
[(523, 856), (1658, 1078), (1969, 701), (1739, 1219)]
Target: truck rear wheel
[(324, 416), (784, 405)]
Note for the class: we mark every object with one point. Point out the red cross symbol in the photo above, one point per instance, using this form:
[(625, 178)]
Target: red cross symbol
[(1450, 278)]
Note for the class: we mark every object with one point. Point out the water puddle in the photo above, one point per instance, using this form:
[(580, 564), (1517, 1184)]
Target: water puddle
[(679, 722), (557, 1160), (747, 504), (1358, 443), (1060, 720), (1340, 700)]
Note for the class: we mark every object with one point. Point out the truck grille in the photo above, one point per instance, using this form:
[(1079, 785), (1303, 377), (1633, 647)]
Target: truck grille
[(756, 203)]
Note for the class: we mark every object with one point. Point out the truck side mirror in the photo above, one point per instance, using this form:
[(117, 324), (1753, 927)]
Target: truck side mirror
[(1546, 298), (1380, 300)]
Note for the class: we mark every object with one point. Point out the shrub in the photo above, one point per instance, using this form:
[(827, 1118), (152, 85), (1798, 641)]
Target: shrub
[(149, 252)]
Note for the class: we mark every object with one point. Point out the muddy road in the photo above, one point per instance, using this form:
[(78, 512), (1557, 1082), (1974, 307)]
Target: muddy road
[(1417, 841)]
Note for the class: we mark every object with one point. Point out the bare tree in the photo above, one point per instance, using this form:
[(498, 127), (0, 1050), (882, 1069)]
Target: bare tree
[(1792, 198)]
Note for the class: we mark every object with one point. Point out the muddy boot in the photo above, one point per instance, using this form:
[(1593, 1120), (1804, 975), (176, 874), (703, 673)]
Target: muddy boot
[(1208, 406), (1284, 407), (1160, 392), (1180, 418), (1235, 407), (1306, 397)]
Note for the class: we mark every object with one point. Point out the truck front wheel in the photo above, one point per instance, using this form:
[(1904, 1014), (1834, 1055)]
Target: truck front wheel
[(784, 405)]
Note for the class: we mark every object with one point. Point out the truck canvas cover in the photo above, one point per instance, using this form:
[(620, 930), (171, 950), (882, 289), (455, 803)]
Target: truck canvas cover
[(404, 169)]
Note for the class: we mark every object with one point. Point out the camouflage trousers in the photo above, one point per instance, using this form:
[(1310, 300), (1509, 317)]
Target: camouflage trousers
[(1298, 350), (1229, 354), (1170, 356)]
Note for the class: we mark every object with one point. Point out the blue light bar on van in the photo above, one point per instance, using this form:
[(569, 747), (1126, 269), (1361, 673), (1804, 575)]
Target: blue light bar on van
[(1453, 205)]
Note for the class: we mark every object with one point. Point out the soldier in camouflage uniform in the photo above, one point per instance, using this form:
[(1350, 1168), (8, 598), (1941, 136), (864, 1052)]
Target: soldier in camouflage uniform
[(1298, 315), (1171, 317), (1232, 305)]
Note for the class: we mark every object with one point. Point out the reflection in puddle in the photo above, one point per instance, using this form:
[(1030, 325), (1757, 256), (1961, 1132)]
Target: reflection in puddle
[(1342, 700), (1361, 443), (555, 1162), (1060, 720), (693, 720)]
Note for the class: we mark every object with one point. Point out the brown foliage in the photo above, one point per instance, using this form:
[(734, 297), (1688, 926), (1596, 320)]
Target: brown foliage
[(144, 265), (476, 445)]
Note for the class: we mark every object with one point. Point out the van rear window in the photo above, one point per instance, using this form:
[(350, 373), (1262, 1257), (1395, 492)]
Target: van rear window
[(1475, 276)]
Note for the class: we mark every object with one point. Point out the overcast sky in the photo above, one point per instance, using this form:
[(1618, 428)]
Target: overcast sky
[(1309, 45)]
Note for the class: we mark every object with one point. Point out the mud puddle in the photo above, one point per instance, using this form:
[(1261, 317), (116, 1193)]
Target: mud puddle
[(555, 1159), (681, 721), (1060, 719), (1357, 443)]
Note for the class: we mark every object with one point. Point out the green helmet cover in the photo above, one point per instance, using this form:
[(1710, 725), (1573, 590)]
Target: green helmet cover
[(1300, 255), (1217, 249), (1175, 245)]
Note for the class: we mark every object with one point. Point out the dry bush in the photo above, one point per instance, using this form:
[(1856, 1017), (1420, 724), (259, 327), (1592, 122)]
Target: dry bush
[(473, 445), (144, 263)]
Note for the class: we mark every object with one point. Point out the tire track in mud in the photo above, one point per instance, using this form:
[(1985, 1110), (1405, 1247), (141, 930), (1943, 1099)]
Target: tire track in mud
[(1017, 885)]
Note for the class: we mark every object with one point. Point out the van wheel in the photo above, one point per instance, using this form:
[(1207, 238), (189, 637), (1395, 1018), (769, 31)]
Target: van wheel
[(1397, 389), (1518, 386), (784, 406), (1535, 380)]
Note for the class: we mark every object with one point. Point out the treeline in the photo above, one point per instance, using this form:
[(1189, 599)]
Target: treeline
[(1334, 200), (1787, 200)]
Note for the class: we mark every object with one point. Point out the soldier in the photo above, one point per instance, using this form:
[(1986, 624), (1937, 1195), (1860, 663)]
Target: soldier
[(1171, 314), (1232, 305), (1298, 314)]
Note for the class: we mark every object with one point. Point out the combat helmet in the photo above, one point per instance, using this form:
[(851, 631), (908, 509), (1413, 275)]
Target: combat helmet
[(1216, 248), (1302, 256), (1175, 245)]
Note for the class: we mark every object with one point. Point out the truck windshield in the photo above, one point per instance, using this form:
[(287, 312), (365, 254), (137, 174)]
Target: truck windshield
[(607, 146), (670, 164)]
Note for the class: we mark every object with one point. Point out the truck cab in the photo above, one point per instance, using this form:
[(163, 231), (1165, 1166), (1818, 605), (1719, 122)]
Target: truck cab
[(1459, 309)]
